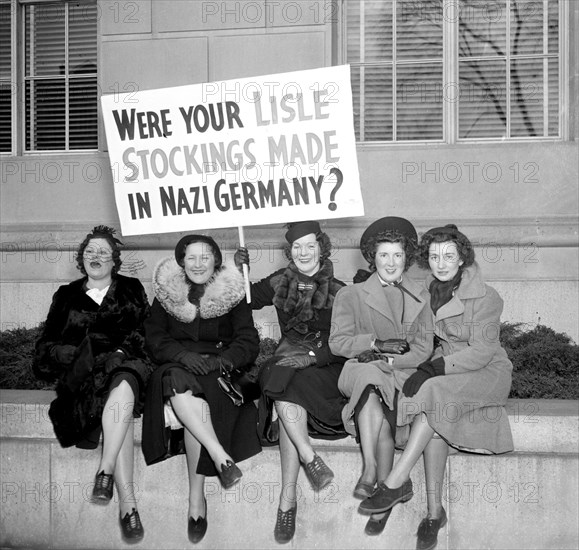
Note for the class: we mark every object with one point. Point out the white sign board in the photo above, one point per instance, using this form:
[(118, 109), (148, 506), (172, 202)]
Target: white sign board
[(251, 151)]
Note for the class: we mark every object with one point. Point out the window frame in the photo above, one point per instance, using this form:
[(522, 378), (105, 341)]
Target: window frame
[(19, 79), (450, 71)]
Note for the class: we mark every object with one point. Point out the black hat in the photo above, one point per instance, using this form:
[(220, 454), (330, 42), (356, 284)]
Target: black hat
[(389, 223), (300, 229), (189, 239), (449, 229)]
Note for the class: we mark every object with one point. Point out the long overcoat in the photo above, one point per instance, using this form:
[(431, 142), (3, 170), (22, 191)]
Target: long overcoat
[(75, 318), (361, 313), (466, 405)]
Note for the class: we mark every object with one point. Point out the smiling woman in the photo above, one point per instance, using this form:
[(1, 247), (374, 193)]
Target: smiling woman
[(92, 344)]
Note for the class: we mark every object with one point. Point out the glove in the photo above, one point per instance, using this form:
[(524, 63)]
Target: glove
[(424, 371), (193, 362), (213, 362), (394, 345), (241, 257), (297, 361), (63, 353), (114, 360), (368, 356)]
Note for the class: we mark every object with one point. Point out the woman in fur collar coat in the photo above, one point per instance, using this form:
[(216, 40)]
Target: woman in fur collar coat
[(200, 323), (93, 343), (301, 379), (457, 397), (383, 325)]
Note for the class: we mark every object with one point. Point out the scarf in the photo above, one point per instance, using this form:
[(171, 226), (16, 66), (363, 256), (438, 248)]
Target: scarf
[(441, 292), (301, 296)]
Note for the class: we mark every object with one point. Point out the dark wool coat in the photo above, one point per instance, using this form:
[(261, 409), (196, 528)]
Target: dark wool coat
[(221, 324), (116, 324), (314, 388), (466, 405)]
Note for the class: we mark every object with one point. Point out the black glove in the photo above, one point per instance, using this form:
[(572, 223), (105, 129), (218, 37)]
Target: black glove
[(63, 353), (297, 361), (394, 345), (368, 356), (241, 257), (114, 360), (424, 371), (213, 362), (193, 362)]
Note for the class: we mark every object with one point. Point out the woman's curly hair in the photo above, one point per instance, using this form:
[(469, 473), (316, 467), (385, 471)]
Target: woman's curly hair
[(100, 232), (370, 247), (323, 241), (444, 234)]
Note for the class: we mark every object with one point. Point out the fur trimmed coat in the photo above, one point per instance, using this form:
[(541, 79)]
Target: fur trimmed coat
[(117, 323), (220, 324)]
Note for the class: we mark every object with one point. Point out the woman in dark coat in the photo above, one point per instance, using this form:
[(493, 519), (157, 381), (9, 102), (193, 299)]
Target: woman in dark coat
[(383, 325), (200, 324), (469, 371), (302, 377), (93, 343)]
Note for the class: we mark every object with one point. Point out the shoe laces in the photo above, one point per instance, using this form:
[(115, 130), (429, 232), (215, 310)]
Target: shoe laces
[(318, 467), (103, 481), (285, 520), (133, 520), (430, 526)]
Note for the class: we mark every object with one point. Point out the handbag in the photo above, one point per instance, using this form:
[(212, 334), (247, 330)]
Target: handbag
[(239, 386)]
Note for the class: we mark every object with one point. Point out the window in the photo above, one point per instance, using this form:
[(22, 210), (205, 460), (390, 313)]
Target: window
[(59, 75), (451, 70)]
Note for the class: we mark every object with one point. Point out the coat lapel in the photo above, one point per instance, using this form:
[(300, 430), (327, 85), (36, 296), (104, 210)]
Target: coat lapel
[(411, 307), (376, 299)]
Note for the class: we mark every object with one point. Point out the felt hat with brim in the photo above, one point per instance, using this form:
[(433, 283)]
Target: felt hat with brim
[(301, 229)]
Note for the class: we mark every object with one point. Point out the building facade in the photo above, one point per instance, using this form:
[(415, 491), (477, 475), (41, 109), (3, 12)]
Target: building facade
[(465, 112)]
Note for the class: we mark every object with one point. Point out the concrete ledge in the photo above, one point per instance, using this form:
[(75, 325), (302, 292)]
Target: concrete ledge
[(524, 499)]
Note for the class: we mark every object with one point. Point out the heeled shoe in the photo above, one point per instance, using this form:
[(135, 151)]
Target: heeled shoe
[(285, 525), (375, 526), (196, 528), (230, 474), (318, 473), (102, 491), (131, 527), (363, 490)]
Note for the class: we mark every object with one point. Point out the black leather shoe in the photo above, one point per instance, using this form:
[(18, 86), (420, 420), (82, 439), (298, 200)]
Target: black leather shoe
[(375, 526), (428, 531), (229, 475), (131, 527), (285, 525), (197, 528), (383, 498), (103, 488), (318, 473)]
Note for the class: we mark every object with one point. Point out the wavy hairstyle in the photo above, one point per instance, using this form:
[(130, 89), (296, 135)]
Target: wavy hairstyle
[(445, 234), (370, 246), (323, 240), (100, 232)]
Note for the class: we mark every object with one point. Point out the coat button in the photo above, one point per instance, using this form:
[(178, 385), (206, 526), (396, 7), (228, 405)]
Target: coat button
[(318, 334), (219, 345), (319, 344)]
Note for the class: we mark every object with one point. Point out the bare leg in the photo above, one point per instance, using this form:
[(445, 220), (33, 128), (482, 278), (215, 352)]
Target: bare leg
[(196, 481), (435, 455), (420, 436), (193, 412), (116, 419), (294, 419), (372, 437), (124, 473), (290, 467), (384, 451)]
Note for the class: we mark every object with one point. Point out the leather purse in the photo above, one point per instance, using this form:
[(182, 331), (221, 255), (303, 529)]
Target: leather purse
[(239, 386)]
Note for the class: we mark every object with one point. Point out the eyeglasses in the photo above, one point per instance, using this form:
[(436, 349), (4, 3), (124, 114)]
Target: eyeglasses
[(101, 254)]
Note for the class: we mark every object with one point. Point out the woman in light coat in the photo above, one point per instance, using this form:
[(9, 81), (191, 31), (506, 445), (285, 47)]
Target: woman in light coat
[(457, 397), (384, 327)]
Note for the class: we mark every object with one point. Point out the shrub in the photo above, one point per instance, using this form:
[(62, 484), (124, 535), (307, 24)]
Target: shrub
[(545, 362)]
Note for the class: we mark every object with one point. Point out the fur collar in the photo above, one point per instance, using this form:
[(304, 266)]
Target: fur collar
[(222, 292)]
